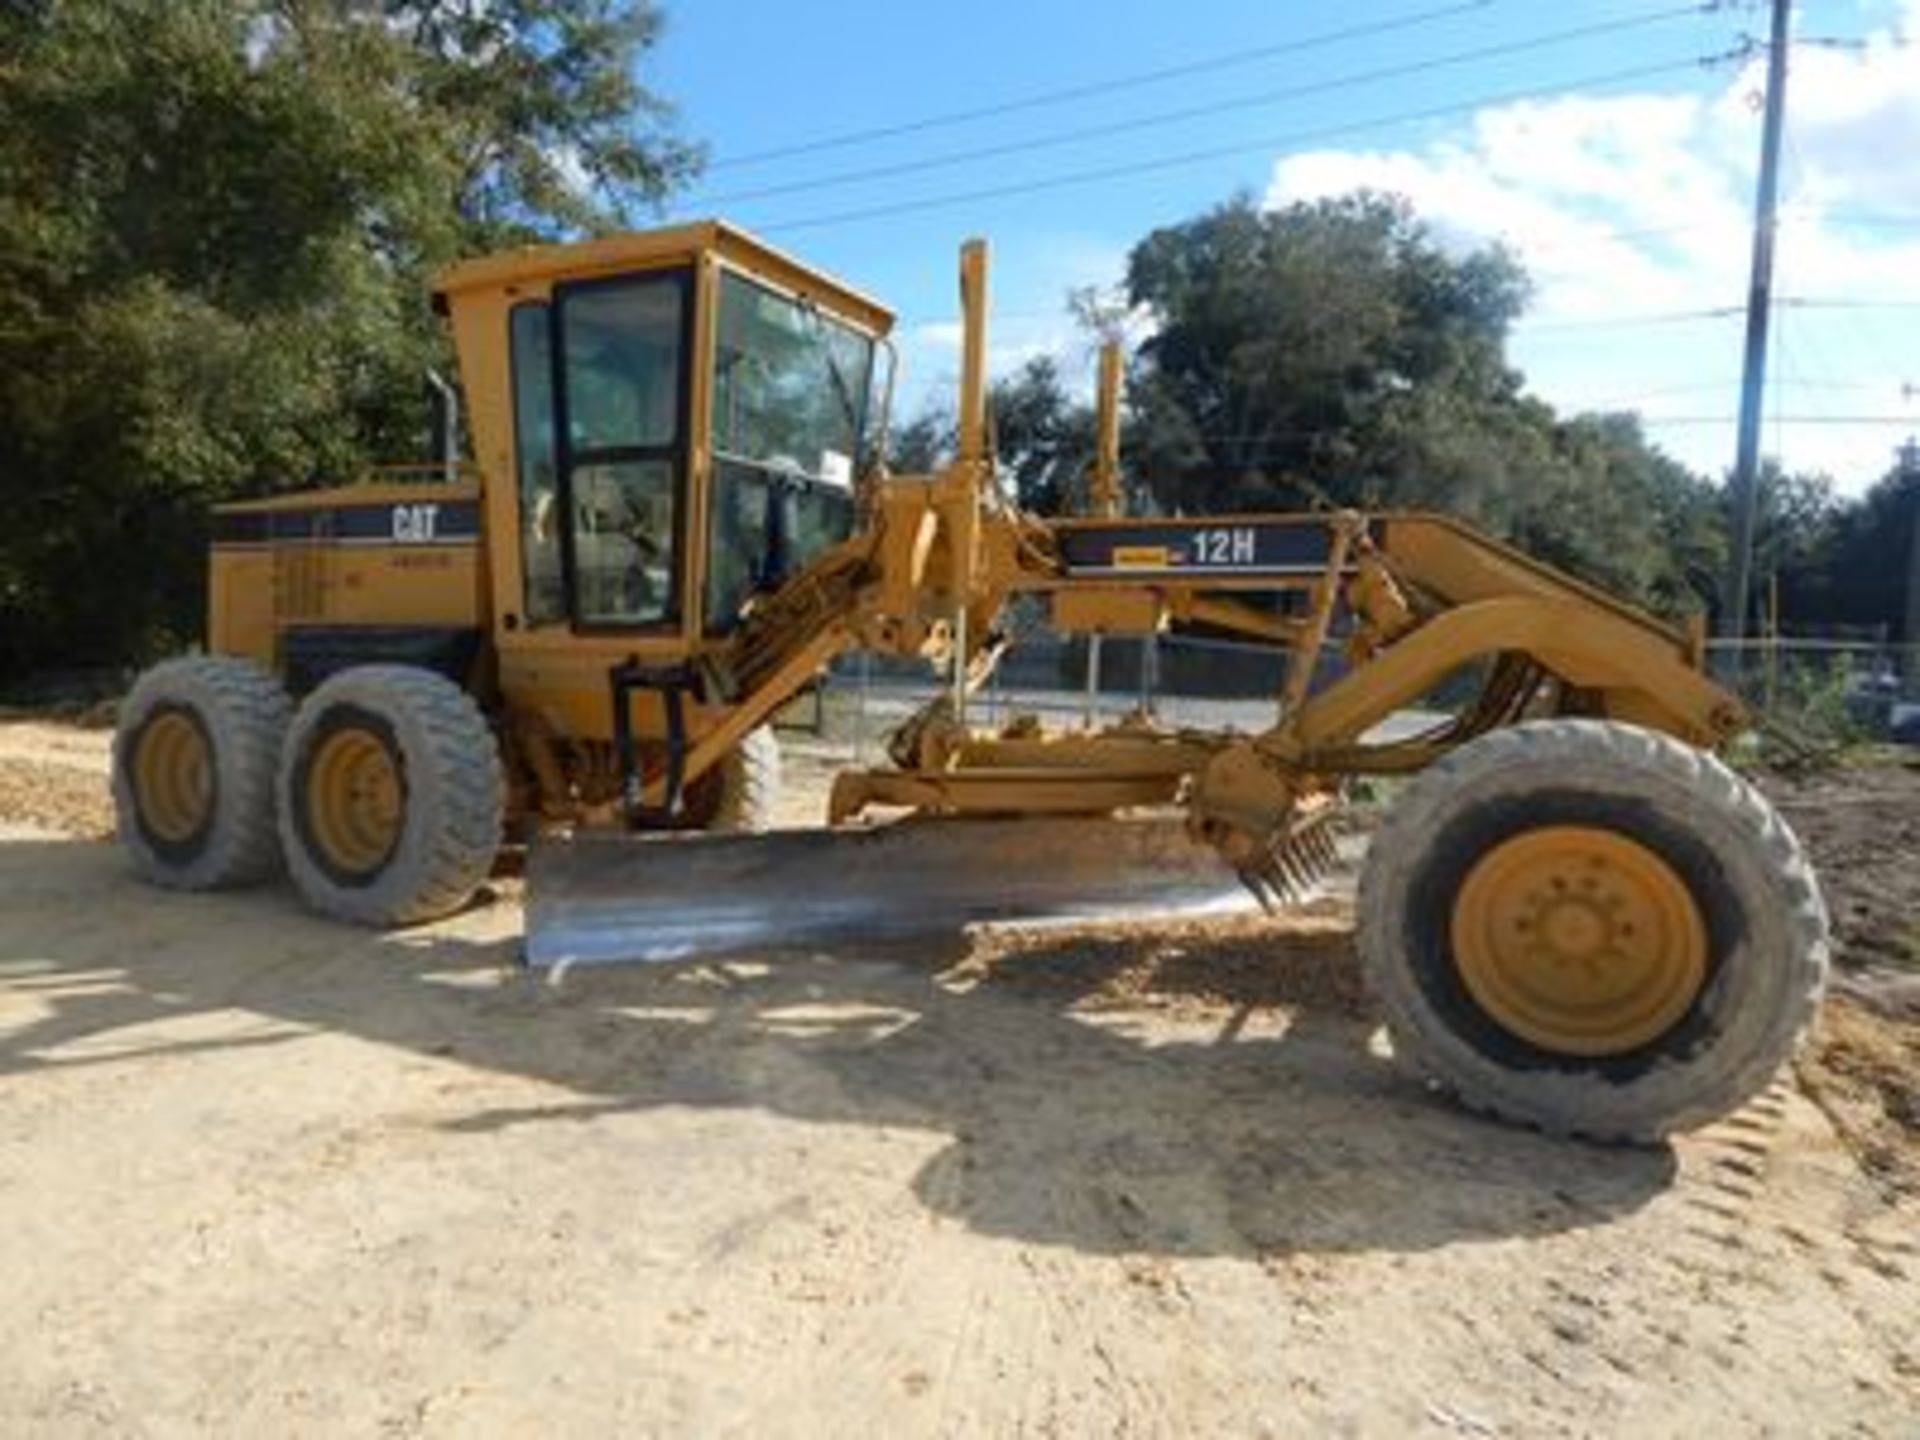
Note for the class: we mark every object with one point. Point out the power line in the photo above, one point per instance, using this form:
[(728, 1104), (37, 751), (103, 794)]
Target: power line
[(1822, 302), (1797, 380), (1910, 420), (1866, 219), (1623, 322), (1215, 107), (1104, 87), (1639, 397), (1606, 237), (1194, 157), (1715, 312), (1804, 383)]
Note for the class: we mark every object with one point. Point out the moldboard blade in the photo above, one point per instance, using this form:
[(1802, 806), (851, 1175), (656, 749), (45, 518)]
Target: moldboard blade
[(598, 899)]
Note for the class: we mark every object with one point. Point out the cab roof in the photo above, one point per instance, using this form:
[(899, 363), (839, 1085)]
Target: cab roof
[(540, 265)]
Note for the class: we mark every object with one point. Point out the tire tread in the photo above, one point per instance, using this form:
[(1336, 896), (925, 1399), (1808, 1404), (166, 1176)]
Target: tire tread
[(461, 759), (1588, 1105), (245, 711)]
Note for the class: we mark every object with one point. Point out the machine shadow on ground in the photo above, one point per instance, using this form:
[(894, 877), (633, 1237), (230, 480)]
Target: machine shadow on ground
[(1133, 1093)]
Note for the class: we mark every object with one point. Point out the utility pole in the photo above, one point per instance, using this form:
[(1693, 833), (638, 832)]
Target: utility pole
[(1910, 629), (1753, 378)]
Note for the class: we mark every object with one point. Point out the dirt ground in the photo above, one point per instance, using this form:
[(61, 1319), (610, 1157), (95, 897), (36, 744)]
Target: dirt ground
[(266, 1175)]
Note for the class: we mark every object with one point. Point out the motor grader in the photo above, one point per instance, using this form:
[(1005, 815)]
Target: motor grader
[(676, 514)]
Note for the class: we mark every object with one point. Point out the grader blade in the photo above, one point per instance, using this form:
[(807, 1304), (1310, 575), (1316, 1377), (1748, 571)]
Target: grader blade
[(603, 899)]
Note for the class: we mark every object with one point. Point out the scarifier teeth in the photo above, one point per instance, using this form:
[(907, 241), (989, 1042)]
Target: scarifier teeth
[(1298, 862), (1295, 876), (1320, 842), (1257, 887)]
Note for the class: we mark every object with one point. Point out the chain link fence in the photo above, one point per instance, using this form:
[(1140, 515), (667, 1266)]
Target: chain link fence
[(1069, 681), (1825, 691), (1828, 690)]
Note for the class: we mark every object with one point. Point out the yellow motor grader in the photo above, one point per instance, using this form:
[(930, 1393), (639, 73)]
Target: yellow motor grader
[(676, 515)]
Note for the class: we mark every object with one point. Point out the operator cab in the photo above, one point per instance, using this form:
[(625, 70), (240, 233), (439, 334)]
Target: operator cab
[(689, 410)]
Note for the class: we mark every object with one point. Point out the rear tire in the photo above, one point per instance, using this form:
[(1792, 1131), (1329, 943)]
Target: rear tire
[(1476, 945), (193, 762), (390, 792)]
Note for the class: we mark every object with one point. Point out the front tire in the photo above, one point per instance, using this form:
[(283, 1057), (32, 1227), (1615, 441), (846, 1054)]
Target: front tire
[(1593, 929), (193, 761), (390, 792)]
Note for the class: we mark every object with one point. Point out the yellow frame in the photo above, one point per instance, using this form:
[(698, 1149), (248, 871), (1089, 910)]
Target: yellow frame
[(937, 559)]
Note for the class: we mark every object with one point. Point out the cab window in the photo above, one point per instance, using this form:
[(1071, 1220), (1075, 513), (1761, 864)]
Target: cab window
[(790, 389), (544, 600)]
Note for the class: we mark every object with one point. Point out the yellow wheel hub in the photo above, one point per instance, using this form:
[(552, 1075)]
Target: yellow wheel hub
[(1579, 940), (355, 801), (173, 776)]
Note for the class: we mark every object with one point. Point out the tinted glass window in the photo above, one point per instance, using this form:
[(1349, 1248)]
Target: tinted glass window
[(790, 384), (765, 526), (539, 486), (623, 365), (790, 392), (623, 541)]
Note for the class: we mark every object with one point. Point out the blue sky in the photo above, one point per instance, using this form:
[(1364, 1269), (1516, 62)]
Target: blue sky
[(1627, 197)]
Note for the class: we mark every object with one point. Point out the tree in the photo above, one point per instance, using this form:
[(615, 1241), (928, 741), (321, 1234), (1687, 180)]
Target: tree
[(1611, 508), (923, 444), (1323, 351), (1043, 438), (549, 126), (1795, 522), (217, 222), (1335, 354), (1851, 571)]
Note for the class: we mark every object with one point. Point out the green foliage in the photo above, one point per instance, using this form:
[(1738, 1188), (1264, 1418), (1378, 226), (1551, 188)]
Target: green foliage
[(1043, 439), (536, 97), (1323, 351), (1606, 505), (1335, 353), (217, 221), (1808, 704), (922, 444), (1851, 567)]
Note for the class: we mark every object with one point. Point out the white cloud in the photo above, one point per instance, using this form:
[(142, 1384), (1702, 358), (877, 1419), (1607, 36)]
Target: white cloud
[(1623, 206), (1010, 344)]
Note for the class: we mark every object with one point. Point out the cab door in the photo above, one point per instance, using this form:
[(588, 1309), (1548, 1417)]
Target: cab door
[(620, 351)]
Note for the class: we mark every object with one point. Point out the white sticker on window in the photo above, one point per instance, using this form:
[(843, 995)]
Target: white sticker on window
[(836, 469)]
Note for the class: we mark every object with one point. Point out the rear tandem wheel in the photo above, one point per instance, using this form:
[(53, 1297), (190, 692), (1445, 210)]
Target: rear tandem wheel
[(1591, 928), (193, 760), (390, 795)]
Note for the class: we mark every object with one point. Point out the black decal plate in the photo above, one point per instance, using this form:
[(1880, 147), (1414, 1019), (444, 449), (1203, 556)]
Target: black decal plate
[(1229, 547), (401, 522)]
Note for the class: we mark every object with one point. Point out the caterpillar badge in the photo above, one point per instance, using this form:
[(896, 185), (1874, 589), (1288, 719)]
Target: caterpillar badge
[(677, 514)]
